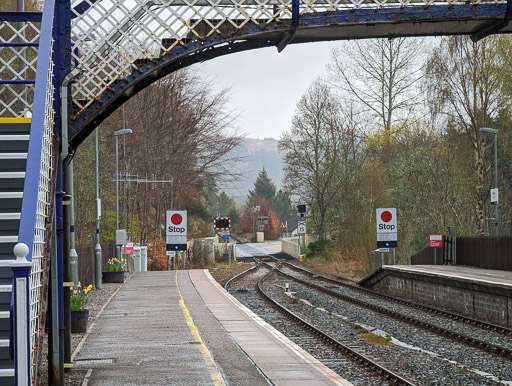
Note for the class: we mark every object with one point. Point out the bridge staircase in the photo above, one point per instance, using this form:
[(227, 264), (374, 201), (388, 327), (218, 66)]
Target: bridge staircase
[(26, 164), (14, 135)]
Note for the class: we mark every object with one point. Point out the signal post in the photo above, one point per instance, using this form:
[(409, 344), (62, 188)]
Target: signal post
[(223, 224)]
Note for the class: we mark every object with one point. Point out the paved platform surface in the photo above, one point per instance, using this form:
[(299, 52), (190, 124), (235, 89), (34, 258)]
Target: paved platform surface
[(459, 272), (182, 328)]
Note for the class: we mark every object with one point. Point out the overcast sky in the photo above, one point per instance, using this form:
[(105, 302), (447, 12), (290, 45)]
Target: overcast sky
[(266, 85)]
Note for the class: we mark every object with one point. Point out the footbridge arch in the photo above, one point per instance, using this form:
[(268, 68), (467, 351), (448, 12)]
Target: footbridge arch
[(122, 47), (104, 52)]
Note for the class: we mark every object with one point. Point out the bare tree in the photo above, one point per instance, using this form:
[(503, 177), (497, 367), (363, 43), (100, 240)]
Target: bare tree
[(380, 75), (464, 88), (182, 132), (318, 153)]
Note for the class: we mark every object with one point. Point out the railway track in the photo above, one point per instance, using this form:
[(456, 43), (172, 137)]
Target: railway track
[(451, 315), (347, 349), (366, 302)]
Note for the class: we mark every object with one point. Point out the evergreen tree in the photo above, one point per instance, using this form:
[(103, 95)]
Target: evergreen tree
[(283, 205), (263, 187)]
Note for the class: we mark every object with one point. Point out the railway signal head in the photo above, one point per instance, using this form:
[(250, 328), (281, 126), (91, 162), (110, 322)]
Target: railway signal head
[(222, 223), (301, 209)]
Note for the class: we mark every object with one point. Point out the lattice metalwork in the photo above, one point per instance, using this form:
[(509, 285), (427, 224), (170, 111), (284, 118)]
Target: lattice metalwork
[(18, 60), (43, 204), (112, 38)]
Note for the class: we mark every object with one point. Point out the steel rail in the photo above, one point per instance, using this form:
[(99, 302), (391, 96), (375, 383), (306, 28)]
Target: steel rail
[(454, 316), (384, 372), (476, 343), (240, 275)]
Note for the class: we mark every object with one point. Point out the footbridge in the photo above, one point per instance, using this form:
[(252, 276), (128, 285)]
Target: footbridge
[(67, 68)]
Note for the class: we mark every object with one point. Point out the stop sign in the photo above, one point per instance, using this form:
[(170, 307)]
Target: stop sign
[(176, 223), (386, 220)]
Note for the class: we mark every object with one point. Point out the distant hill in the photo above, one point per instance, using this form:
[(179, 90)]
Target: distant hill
[(257, 153)]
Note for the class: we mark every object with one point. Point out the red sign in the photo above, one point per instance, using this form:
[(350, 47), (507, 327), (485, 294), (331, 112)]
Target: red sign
[(128, 250), (435, 241)]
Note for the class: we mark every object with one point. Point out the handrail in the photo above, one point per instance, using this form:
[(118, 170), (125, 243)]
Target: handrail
[(32, 230), (35, 149)]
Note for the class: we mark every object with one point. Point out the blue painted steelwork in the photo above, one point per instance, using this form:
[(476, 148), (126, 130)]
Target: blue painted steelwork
[(60, 261), (199, 50), (288, 37), (21, 81), (494, 26), (21, 16), (458, 13), (295, 14), (30, 190), (62, 58), (16, 44), (83, 6)]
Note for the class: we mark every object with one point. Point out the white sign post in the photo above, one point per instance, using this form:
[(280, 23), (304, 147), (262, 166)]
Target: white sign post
[(494, 196)]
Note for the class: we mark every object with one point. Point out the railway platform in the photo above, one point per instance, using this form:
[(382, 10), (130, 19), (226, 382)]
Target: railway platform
[(476, 292), (183, 328)]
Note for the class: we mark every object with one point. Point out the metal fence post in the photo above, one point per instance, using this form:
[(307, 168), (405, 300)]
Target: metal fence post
[(20, 315)]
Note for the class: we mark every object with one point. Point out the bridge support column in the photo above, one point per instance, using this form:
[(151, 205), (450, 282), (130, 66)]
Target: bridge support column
[(20, 316)]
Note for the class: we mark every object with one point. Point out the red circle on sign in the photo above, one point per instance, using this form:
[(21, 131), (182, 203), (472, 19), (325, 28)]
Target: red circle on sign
[(386, 216), (176, 219)]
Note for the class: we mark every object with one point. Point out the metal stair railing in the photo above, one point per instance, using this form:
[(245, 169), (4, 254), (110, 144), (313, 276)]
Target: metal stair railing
[(36, 192)]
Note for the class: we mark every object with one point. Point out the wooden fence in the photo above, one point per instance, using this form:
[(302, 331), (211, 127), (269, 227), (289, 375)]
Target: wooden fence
[(485, 252), (482, 252), (87, 260)]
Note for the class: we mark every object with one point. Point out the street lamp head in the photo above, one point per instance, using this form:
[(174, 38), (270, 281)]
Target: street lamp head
[(121, 132), (489, 130)]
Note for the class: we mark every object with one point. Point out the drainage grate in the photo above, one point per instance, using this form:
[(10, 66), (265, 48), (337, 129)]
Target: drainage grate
[(88, 362)]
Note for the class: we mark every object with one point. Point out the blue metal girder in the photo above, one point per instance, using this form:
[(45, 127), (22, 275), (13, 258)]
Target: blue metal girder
[(493, 26), (18, 81), (288, 37), (82, 7), (19, 44), (430, 14), (21, 16), (311, 27)]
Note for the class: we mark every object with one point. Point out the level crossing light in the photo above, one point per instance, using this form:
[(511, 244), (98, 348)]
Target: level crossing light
[(117, 134), (495, 132)]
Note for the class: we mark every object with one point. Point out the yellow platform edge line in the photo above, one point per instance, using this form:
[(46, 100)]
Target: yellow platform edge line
[(215, 374), (15, 120)]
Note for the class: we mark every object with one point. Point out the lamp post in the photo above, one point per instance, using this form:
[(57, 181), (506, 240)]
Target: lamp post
[(495, 132), (97, 247), (117, 134)]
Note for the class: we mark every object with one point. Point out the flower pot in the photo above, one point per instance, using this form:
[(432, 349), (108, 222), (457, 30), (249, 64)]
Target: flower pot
[(79, 320), (113, 277)]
